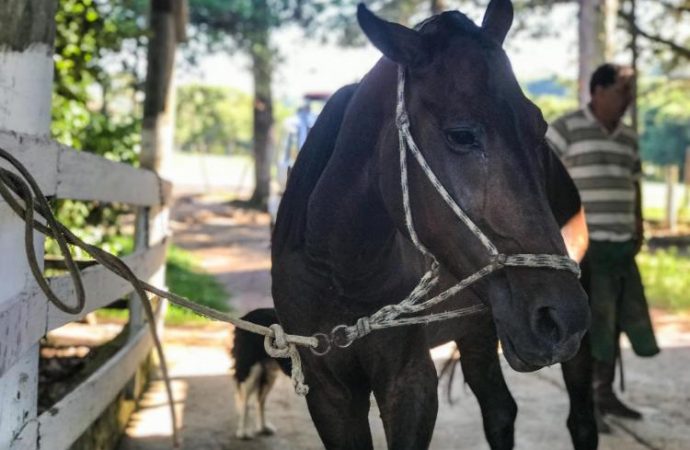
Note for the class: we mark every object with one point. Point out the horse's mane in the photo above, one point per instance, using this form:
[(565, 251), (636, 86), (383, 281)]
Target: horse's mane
[(311, 161)]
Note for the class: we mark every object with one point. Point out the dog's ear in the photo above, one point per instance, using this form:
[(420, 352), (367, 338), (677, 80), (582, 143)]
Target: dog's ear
[(400, 44)]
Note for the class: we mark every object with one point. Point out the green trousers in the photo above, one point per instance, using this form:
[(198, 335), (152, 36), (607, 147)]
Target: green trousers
[(612, 280)]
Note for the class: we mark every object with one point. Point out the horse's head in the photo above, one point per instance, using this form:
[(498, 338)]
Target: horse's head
[(484, 141)]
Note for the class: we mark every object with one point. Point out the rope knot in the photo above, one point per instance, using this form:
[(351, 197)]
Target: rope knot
[(500, 260), (401, 119), (363, 326), (277, 345)]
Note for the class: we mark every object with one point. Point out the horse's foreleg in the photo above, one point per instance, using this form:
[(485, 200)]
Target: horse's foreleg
[(577, 374), (482, 371), (339, 409), (405, 385)]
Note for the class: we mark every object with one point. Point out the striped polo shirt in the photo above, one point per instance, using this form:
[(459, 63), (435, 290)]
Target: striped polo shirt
[(604, 166)]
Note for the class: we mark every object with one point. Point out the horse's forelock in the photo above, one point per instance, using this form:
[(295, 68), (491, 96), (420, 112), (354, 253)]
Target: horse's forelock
[(449, 24)]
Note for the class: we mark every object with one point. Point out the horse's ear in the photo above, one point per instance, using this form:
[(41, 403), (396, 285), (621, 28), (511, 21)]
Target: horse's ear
[(400, 44), (497, 19)]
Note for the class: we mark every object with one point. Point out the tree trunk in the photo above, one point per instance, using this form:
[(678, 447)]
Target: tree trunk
[(27, 36), (596, 29), (437, 6), (159, 102), (262, 70), (591, 51), (635, 57)]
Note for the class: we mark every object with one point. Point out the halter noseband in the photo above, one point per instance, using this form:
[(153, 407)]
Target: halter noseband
[(388, 316)]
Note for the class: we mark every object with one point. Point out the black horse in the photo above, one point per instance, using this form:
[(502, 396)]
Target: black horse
[(342, 246)]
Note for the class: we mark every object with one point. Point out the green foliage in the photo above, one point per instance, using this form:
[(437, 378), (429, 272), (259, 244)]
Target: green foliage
[(97, 46), (94, 225), (665, 109), (553, 107), (665, 277), (213, 119), (185, 277)]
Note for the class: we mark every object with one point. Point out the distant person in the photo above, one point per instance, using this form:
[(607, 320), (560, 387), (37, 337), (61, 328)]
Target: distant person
[(602, 157)]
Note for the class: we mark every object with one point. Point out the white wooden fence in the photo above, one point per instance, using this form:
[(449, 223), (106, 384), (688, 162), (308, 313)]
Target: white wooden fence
[(26, 315)]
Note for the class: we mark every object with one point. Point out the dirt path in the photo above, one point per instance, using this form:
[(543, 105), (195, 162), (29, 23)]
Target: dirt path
[(234, 245)]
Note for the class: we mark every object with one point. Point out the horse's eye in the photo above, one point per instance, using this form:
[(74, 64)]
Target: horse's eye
[(463, 139)]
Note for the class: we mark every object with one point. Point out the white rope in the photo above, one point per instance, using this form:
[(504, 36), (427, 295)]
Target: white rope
[(278, 347), (389, 316)]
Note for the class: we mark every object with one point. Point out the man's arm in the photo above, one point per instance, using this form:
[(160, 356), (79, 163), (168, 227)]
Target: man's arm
[(566, 206), (576, 236)]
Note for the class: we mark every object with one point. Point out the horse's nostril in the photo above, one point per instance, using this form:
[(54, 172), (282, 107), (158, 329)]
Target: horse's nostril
[(547, 326)]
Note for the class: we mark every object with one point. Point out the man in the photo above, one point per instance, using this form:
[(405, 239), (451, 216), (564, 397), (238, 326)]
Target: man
[(601, 155)]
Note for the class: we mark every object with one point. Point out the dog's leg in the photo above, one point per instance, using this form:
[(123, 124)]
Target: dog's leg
[(262, 426), (244, 390)]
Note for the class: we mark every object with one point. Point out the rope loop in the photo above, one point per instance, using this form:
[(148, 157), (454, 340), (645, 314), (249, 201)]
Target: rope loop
[(277, 345), (343, 336)]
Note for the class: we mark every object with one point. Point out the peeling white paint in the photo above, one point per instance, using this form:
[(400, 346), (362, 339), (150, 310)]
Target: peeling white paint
[(26, 80)]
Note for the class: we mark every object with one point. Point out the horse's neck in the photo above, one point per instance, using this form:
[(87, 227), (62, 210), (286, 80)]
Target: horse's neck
[(348, 227)]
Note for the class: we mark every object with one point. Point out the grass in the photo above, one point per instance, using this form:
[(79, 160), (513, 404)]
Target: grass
[(666, 278), (185, 277), (659, 214)]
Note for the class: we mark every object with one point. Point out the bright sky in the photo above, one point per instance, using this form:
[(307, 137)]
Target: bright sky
[(312, 66)]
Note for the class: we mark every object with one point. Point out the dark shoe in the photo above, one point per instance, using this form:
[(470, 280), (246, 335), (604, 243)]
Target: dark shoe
[(610, 404)]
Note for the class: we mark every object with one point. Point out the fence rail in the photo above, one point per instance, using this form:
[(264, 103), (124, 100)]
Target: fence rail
[(26, 316)]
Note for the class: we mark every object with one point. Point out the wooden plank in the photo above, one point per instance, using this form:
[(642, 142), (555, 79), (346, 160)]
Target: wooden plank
[(102, 286), (70, 174), (62, 424), (158, 225), (22, 324), (27, 317), (85, 176), (18, 399), (38, 154)]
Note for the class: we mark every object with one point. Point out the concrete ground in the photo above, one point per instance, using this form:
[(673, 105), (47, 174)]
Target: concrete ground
[(234, 246)]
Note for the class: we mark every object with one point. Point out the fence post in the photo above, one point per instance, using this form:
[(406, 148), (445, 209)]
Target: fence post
[(26, 58), (167, 21), (159, 118), (671, 175)]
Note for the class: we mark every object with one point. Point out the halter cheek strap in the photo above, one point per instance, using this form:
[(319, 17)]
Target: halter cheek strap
[(389, 316)]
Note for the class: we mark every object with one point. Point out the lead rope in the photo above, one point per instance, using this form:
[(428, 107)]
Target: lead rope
[(277, 343)]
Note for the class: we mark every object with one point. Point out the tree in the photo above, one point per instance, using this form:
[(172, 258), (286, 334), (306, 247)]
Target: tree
[(248, 26), (213, 119), (95, 90), (665, 109)]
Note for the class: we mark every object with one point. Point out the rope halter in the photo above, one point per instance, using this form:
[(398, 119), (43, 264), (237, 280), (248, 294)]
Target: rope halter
[(389, 316)]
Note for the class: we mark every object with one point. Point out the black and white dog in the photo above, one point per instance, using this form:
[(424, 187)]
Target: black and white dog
[(254, 373)]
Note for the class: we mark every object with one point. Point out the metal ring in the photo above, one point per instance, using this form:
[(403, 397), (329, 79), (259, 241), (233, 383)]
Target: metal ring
[(321, 337), (340, 338)]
